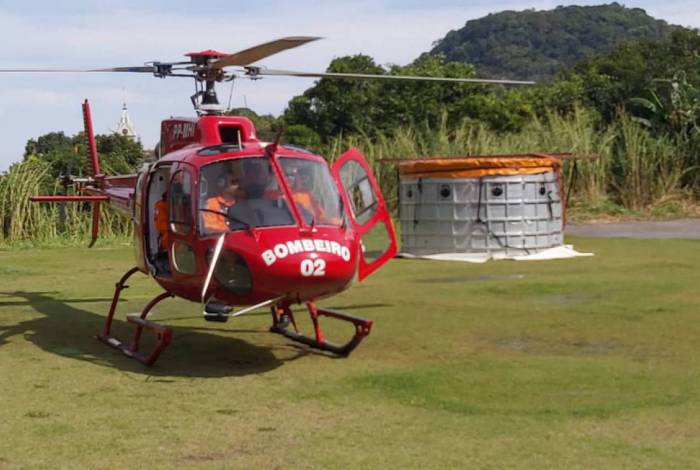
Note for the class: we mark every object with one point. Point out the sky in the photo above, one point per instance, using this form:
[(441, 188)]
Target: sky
[(110, 33)]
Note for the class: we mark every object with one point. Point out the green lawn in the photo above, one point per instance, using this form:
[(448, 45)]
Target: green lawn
[(582, 363)]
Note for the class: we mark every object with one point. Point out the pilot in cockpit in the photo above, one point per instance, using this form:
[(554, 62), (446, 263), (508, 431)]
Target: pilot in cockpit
[(217, 205)]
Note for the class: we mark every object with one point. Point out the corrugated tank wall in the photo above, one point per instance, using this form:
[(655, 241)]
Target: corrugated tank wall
[(516, 214)]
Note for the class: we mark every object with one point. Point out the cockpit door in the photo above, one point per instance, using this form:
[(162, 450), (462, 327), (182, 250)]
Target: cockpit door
[(138, 218), (366, 210), (181, 222)]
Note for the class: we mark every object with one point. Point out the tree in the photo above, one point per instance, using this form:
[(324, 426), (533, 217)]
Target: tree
[(59, 150), (68, 155), (632, 69), (673, 107), (332, 106), (536, 45), (299, 134), (335, 107), (411, 103)]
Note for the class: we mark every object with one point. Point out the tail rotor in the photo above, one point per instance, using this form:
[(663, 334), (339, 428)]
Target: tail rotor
[(93, 185)]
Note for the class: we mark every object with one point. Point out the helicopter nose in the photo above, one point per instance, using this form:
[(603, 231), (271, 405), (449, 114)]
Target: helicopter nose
[(309, 276), (255, 269), (233, 273)]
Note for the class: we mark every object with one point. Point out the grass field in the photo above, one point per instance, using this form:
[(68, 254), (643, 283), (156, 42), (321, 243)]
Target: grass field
[(582, 363)]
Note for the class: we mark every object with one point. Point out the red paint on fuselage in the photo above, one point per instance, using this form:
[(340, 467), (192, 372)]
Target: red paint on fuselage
[(178, 133), (281, 278), (182, 139)]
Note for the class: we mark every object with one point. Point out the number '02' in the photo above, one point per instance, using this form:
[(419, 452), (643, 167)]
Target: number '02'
[(313, 267)]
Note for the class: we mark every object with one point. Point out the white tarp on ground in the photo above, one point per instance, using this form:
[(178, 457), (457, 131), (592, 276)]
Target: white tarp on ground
[(558, 252)]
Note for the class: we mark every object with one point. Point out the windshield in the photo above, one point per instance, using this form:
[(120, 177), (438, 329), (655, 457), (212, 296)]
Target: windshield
[(313, 190), (241, 193)]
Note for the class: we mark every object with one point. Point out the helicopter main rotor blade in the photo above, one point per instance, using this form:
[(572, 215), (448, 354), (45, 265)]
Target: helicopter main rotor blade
[(141, 69), (255, 53), (138, 69), (43, 70), (254, 71)]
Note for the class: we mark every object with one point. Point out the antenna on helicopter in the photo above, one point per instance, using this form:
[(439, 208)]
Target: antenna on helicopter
[(230, 95)]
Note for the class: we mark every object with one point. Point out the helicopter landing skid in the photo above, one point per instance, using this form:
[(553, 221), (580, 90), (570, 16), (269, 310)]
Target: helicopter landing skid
[(162, 333), (282, 318)]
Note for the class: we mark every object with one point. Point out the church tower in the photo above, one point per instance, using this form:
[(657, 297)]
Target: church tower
[(124, 126)]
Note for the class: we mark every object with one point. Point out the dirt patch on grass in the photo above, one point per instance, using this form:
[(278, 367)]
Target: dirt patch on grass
[(202, 458), (37, 414)]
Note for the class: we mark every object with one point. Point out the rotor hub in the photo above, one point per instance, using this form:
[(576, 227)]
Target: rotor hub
[(204, 56)]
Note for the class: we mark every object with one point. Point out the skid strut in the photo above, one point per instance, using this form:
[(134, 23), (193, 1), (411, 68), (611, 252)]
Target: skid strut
[(163, 334), (282, 318)]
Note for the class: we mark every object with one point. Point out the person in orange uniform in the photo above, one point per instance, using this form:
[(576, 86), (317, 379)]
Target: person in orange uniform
[(300, 184), (215, 218), (161, 221)]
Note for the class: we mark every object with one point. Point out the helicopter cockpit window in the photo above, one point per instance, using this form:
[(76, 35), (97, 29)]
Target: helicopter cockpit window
[(313, 190), (181, 203), (241, 193)]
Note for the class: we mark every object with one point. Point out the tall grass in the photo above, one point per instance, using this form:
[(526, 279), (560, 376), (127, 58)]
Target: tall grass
[(631, 167), (25, 221), (648, 169)]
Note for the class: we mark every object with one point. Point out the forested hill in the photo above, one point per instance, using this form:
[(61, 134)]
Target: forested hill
[(536, 44)]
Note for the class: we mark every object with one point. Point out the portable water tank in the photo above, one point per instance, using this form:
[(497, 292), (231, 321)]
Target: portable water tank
[(511, 205)]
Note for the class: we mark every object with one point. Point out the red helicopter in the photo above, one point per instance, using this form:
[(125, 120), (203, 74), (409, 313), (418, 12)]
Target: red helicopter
[(223, 219)]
